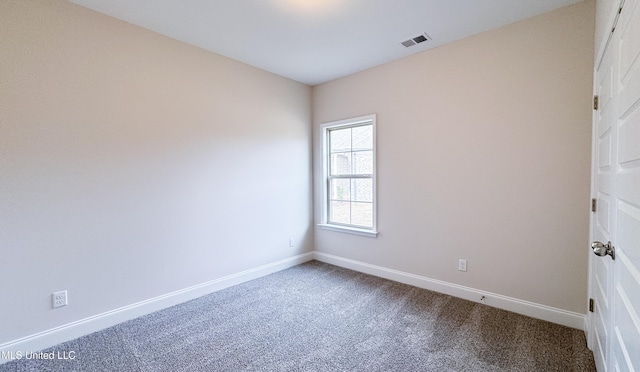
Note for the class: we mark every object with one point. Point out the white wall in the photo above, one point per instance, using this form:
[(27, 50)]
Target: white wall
[(483, 154), (133, 165)]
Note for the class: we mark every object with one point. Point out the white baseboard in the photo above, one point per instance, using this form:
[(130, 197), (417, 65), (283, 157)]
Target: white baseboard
[(97, 322), (534, 310)]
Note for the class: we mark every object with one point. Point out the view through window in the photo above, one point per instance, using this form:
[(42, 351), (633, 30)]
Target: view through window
[(350, 174)]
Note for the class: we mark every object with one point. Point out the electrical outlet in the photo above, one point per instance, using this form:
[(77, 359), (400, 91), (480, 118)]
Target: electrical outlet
[(290, 242), (59, 299), (462, 264)]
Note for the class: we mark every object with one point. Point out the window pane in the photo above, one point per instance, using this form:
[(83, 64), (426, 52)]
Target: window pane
[(362, 137), (349, 182), (340, 189), (339, 212), (340, 140), (362, 214), (363, 162), (362, 190), (340, 163)]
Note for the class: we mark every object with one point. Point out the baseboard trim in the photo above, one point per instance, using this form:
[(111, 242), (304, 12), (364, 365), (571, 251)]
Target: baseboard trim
[(70, 331), (534, 310)]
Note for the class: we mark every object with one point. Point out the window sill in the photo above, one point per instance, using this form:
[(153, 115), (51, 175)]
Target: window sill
[(349, 230)]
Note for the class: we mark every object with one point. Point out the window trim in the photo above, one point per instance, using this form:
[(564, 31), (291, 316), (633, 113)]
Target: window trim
[(325, 129)]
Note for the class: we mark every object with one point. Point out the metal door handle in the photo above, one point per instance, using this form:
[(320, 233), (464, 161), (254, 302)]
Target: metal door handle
[(603, 249)]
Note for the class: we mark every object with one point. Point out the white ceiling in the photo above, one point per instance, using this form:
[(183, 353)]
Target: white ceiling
[(314, 41)]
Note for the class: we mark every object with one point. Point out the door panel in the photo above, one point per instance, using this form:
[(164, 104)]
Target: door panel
[(604, 151), (601, 274), (629, 35), (619, 355), (603, 214), (626, 340), (600, 346), (629, 143), (604, 180), (615, 284), (627, 190)]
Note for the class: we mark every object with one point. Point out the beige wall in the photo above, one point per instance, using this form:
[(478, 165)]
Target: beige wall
[(133, 165), (483, 154)]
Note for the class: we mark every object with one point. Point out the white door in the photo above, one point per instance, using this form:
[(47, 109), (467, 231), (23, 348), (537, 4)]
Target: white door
[(614, 326)]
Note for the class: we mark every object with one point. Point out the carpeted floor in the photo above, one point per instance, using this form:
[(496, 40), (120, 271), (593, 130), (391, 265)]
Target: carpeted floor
[(318, 317)]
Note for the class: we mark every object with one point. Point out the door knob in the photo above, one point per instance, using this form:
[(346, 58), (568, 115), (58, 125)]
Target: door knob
[(600, 249)]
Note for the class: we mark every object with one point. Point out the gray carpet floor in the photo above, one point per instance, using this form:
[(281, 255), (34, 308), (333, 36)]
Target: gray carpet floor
[(318, 317)]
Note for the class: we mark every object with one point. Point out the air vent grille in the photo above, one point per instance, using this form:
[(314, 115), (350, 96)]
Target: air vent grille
[(416, 40), (419, 39), (408, 43)]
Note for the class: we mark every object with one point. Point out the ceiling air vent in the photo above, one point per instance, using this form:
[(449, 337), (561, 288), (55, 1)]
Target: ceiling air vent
[(416, 40)]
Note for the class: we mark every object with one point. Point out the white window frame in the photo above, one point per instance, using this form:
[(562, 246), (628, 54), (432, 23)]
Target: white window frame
[(326, 128)]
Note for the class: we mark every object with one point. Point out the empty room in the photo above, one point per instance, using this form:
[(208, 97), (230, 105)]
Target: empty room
[(319, 185)]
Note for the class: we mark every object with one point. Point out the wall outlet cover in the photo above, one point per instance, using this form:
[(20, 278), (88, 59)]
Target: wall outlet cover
[(462, 265), (59, 299)]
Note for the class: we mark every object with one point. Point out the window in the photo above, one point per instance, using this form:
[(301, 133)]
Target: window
[(349, 168)]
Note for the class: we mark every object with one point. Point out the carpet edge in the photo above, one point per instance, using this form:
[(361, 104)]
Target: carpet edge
[(539, 311)]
